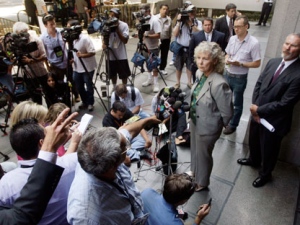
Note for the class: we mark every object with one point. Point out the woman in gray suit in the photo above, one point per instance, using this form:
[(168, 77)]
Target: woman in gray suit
[(211, 109)]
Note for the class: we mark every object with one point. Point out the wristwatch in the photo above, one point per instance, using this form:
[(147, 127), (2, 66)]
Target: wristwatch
[(241, 64)]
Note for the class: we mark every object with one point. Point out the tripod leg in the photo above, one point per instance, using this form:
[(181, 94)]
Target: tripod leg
[(162, 76)]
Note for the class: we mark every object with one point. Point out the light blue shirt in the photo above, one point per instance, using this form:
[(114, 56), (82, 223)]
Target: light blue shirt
[(93, 201), (161, 212), (50, 43), (12, 183)]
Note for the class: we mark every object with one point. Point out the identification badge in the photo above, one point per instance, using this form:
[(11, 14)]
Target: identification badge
[(58, 51), (115, 44)]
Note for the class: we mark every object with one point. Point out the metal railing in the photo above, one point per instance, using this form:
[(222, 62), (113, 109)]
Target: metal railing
[(6, 26)]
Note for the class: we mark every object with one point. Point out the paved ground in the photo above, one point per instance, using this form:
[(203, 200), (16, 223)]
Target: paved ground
[(235, 201)]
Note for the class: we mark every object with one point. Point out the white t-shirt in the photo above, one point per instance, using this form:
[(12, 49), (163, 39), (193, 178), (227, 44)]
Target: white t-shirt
[(155, 28), (84, 45), (117, 46), (128, 99)]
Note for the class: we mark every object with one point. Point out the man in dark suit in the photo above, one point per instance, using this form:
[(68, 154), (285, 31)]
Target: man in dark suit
[(207, 34), (225, 23), (275, 95), (30, 206)]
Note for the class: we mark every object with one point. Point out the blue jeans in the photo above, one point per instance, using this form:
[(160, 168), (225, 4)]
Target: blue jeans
[(238, 86), (86, 95)]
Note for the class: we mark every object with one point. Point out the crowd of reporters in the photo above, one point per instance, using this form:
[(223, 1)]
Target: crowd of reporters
[(103, 189)]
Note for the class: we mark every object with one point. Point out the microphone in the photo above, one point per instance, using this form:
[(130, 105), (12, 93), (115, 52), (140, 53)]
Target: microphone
[(185, 108), (171, 89), (178, 90), (176, 105), (174, 94), (181, 96), (170, 101)]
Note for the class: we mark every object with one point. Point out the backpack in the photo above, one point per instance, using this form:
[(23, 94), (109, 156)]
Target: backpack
[(133, 96)]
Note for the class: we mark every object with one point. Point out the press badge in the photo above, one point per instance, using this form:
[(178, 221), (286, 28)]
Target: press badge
[(58, 51), (115, 43)]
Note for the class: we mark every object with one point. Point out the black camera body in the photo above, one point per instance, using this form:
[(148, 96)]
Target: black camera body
[(184, 14), (69, 34), (109, 25), (141, 26), (18, 45)]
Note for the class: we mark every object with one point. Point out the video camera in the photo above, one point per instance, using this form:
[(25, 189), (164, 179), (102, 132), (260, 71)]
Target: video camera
[(184, 14), (17, 46), (141, 26), (104, 25), (69, 34), (110, 25)]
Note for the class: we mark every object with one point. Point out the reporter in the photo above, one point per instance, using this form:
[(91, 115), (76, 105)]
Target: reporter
[(177, 190), (36, 73), (30, 206)]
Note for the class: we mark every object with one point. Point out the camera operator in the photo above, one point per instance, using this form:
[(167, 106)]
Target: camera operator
[(36, 73), (118, 63), (151, 39), (84, 49), (186, 25)]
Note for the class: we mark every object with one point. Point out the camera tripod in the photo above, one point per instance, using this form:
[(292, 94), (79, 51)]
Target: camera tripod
[(94, 86), (142, 49), (168, 165), (105, 76)]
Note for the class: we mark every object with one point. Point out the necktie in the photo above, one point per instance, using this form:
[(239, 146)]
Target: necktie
[(207, 37), (230, 28), (278, 72)]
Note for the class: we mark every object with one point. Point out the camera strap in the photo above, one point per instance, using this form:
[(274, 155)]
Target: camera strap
[(64, 46)]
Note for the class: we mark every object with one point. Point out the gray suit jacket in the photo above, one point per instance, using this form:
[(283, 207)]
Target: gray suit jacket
[(214, 104)]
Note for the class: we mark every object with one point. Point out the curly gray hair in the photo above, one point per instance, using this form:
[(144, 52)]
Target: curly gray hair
[(215, 53)]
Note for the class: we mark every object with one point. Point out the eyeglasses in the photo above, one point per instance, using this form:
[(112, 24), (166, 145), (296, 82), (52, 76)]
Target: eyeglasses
[(235, 27)]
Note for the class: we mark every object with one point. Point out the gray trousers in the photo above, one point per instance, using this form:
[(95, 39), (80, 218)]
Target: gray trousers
[(201, 155)]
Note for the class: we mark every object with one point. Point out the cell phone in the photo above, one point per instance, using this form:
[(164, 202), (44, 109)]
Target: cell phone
[(209, 201), (209, 204)]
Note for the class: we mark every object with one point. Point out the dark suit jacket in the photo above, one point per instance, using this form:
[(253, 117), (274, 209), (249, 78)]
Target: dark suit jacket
[(222, 26), (197, 38), (276, 101), (35, 195)]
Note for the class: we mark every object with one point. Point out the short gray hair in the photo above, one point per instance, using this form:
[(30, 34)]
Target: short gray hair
[(20, 27), (100, 150), (215, 52)]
